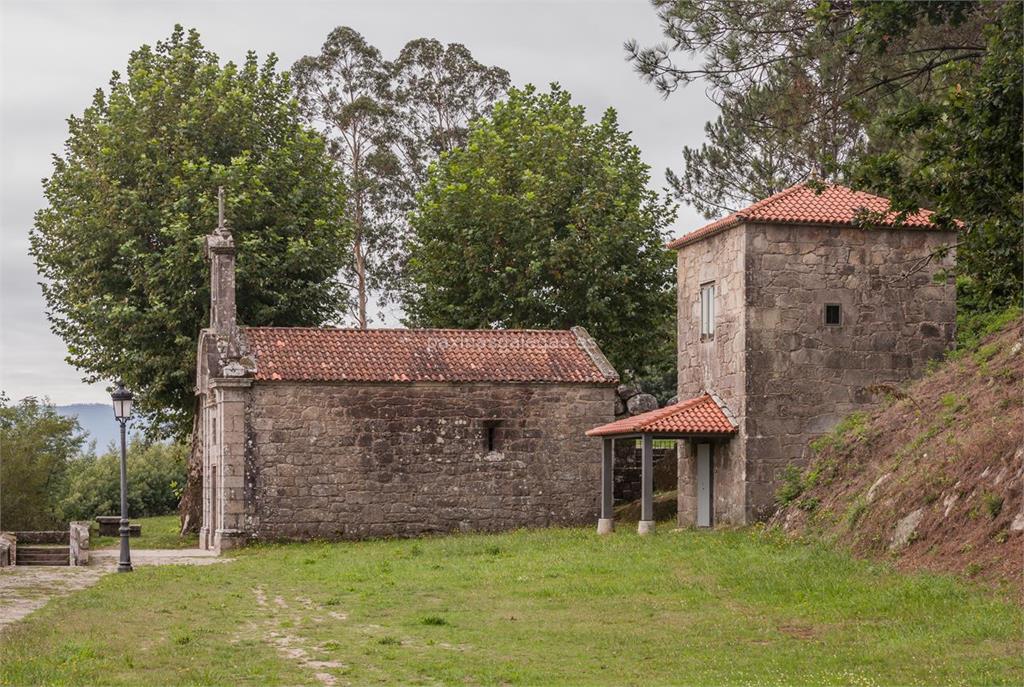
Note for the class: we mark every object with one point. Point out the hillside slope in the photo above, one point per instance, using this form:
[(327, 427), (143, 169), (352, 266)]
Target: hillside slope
[(932, 477)]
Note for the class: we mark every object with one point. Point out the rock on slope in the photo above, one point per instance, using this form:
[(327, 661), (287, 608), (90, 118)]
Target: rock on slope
[(932, 477)]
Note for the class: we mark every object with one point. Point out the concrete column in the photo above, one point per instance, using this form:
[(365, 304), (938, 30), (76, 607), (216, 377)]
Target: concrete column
[(646, 524), (607, 521), (229, 452)]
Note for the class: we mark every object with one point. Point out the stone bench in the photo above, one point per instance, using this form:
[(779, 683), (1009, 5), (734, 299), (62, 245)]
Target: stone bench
[(110, 526)]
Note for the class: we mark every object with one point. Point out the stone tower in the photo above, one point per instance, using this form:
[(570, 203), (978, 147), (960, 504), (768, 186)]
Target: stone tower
[(791, 310)]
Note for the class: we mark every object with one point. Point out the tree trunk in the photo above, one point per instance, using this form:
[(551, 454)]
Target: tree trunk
[(360, 280), (190, 508)]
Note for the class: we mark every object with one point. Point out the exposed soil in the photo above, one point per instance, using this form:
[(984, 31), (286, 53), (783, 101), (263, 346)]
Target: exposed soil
[(288, 643), (932, 477)]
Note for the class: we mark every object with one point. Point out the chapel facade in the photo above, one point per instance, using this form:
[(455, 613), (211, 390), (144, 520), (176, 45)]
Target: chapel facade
[(346, 434)]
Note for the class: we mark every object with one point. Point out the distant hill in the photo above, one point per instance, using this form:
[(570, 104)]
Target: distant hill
[(97, 419), (932, 478)]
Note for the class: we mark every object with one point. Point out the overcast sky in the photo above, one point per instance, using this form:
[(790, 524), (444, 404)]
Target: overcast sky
[(55, 54)]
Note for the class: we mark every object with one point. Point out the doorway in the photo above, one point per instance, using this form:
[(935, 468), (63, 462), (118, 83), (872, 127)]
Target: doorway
[(705, 486)]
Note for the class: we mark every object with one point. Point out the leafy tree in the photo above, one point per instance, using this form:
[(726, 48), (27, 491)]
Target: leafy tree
[(344, 92), (436, 90), (134, 192), (966, 157), (386, 121), (156, 476), (916, 101), (795, 82), (36, 447), (545, 220)]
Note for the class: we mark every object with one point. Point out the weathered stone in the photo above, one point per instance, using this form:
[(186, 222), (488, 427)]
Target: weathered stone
[(1018, 522), (78, 543), (627, 391), (641, 403), (785, 375), (905, 529), (874, 487), (346, 461)]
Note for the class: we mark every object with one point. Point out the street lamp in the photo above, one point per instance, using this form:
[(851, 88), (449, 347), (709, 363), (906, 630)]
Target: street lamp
[(122, 399)]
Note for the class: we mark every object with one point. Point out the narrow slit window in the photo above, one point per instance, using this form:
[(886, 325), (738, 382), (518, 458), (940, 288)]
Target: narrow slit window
[(707, 311), (491, 438), (833, 314)]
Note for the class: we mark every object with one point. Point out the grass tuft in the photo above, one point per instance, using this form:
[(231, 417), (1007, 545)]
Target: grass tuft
[(433, 620)]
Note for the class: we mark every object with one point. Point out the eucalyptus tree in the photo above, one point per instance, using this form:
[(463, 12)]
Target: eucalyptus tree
[(386, 121), (345, 92)]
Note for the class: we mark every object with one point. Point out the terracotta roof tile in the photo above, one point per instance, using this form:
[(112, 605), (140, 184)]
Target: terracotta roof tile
[(803, 204), (701, 415), (422, 355)]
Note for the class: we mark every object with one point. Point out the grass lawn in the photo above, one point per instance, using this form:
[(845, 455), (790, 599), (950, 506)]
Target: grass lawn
[(559, 606), (160, 532)]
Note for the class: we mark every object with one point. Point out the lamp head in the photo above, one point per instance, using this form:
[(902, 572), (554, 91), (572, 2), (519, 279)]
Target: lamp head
[(122, 399)]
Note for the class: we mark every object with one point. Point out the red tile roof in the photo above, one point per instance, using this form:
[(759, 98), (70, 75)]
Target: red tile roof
[(804, 204), (701, 415), (426, 355)]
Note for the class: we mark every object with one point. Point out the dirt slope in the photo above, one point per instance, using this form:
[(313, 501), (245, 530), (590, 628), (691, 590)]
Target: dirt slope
[(932, 476)]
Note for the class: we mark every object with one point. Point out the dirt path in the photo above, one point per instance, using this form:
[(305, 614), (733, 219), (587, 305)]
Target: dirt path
[(24, 589), (289, 644)]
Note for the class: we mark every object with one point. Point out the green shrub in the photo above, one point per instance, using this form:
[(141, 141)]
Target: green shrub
[(853, 426), (808, 504), (155, 475), (37, 448), (855, 511), (993, 504), (973, 325), (434, 620), (792, 486)]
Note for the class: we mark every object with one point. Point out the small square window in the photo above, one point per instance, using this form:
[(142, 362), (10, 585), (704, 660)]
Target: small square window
[(833, 314)]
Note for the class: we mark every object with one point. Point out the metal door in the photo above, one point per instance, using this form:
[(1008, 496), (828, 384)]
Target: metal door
[(704, 485)]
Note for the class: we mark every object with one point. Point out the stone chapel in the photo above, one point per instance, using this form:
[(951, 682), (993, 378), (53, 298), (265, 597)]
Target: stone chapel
[(342, 433)]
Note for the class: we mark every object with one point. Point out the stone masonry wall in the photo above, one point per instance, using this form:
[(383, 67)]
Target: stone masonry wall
[(364, 460), (803, 376), (717, 365)]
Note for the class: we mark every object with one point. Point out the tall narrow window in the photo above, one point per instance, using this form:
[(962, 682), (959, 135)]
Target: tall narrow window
[(707, 311), (833, 314), (491, 438)]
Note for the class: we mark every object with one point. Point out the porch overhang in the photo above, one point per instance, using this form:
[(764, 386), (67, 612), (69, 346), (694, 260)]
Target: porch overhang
[(705, 416)]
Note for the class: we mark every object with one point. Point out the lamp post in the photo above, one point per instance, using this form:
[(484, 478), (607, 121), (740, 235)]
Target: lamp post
[(122, 399)]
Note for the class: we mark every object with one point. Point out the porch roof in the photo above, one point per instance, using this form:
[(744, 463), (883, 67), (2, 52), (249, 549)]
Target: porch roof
[(703, 415)]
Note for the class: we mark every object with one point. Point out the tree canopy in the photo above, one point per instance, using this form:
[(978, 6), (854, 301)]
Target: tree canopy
[(385, 121), (133, 193), (916, 101), (38, 446), (544, 220)]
